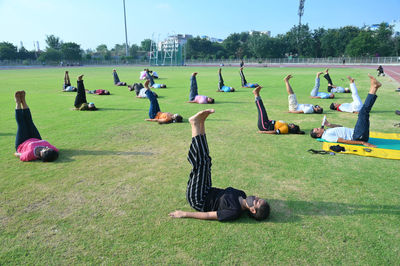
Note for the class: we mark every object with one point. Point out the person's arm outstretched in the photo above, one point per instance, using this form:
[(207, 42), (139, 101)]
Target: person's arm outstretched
[(267, 132), (194, 215), (357, 142), (296, 112)]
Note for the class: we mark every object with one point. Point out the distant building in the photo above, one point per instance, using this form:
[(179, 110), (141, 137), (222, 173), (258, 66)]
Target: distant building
[(268, 33), (396, 27)]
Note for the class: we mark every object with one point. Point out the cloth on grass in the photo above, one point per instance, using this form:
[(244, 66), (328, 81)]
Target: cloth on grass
[(388, 146)]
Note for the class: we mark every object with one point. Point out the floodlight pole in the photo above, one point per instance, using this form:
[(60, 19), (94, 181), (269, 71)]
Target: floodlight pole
[(300, 13), (126, 33)]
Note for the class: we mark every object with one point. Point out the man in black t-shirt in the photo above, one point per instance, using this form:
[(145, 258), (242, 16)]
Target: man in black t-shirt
[(210, 202)]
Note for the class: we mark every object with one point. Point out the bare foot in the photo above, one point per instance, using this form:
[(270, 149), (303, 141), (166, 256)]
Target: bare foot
[(146, 84), (256, 91), (350, 79), (22, 95), (200, 116), (319, 74), (17, 97), (194, 74), (327, 70), (288, 77), (80, 77), (374, 83)]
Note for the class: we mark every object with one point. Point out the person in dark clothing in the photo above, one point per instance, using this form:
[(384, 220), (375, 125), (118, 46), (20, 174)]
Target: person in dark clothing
[(149, 77), (380, 71), (117, 82), (221, 85), (267, 126), (67, 83), (360, 134), (80, 99), (155, 114), (244, 82), (194, 96), (332, 88), (29, 145), (213, 203)]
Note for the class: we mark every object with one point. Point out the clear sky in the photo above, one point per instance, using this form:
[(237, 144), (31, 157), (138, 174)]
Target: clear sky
[(93, 22)]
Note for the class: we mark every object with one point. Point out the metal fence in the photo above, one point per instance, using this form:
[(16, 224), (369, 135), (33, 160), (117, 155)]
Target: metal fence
[(253, 61)]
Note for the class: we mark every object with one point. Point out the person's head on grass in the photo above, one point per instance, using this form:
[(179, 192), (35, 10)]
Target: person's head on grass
[(316, 132), (177, 118), (295, 129), (210, 100), (257, 208), (47, 154), (318, 109), (334, 106)]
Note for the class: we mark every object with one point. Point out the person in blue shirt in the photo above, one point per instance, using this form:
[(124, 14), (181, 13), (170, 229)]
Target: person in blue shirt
[(221, 85), (320, 95)]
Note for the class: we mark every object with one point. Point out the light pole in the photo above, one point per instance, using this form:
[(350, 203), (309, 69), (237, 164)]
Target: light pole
[(126, 33)]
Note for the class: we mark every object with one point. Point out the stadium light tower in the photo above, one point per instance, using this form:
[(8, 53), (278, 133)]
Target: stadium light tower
[(126, 33), (300, 13), (301, 10)]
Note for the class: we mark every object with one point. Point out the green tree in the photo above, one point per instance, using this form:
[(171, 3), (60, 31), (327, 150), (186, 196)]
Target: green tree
[(7, 51), (145, 45), (51, 55), (133, 51), (53, 42), (386, 44), (363, 45), (71, 51)]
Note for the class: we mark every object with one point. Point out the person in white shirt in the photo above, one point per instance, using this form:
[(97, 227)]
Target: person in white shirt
[(360, 134), (354, 106), (294, 106)]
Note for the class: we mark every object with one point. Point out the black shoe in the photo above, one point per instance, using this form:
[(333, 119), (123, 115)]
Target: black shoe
[(397, 112)]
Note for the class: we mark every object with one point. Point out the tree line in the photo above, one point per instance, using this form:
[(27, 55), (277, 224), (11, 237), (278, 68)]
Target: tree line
[(299, 41)]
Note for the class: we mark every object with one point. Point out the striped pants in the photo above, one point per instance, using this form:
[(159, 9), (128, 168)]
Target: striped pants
[(200, 177)]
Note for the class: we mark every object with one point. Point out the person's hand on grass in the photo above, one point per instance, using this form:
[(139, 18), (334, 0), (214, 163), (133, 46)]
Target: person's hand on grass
[(177, 214)]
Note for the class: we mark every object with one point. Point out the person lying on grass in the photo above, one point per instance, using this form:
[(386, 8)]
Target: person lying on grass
[(295, 107), (320, 95), (29, 145), (360, 133), (140, 90), (267, 126), (67, 83), (99, 92), (155, 113), (354, 106), (244, 82), (221, 85), (213, 203), (332, 88), (149, 77), (117, 82), (80, 100), (194, 96)]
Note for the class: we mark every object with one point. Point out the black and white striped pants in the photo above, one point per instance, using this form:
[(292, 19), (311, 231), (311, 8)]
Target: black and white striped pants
[(200, 177)]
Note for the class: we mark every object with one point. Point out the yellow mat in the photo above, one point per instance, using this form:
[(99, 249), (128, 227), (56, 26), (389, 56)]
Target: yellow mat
[(387, 146)]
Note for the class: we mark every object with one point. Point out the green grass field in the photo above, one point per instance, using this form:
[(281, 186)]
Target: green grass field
[(107, 198)]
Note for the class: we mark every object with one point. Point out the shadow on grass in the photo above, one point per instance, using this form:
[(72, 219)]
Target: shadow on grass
[(6, 134), (118, 109), (66, 154), (224, 102), (290, 211)]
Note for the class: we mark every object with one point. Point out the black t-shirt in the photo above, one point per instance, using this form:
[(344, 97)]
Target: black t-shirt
[(225, 202)]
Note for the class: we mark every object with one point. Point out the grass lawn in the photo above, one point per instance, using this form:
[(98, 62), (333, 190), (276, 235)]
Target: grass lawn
[(107, 198)]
